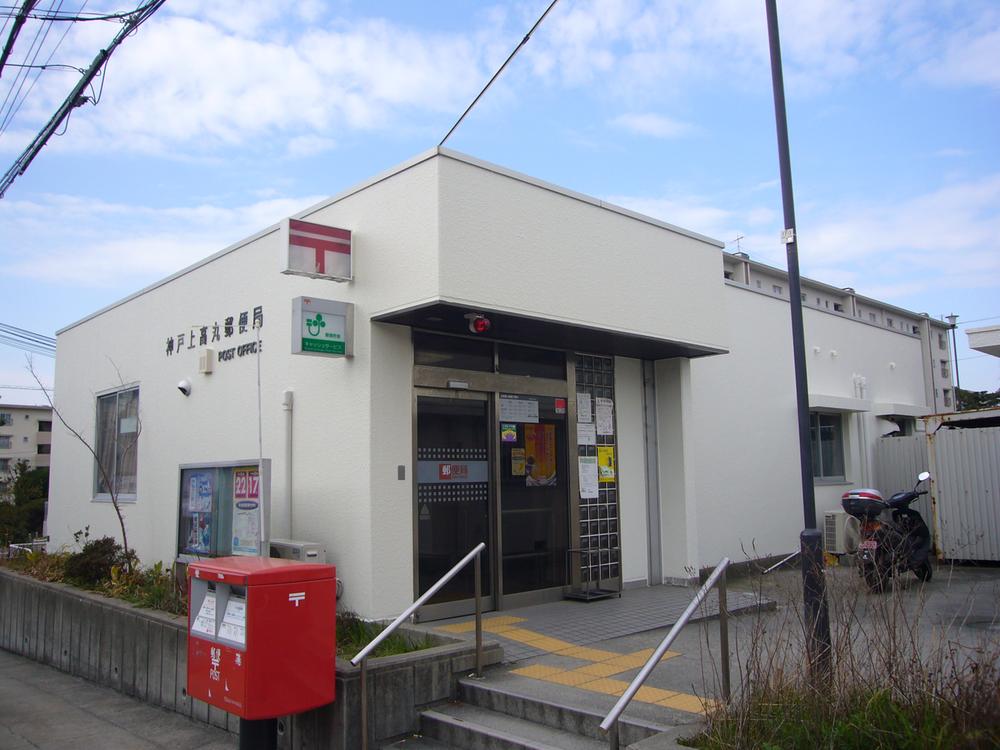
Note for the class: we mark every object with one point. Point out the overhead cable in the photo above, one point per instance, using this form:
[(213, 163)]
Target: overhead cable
[(19, 19), (76, 97), (499, 71)]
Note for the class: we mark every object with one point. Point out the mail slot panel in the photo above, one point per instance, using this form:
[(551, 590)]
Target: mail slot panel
[(261, 635)]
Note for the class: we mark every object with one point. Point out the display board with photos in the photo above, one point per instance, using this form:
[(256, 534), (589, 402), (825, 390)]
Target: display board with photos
[(223, 508)]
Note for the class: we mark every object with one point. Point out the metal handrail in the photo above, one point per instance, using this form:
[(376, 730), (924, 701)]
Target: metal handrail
[(362, 655), (718, 577)]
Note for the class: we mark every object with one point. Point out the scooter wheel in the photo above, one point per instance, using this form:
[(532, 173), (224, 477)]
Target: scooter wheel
[(875, 577), (924, 571)]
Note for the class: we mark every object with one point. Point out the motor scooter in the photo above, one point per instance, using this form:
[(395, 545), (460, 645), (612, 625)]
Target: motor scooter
[(891, 543)]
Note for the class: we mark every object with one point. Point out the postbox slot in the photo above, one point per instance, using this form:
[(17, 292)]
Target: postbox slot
[(233, 623), (204, 608)]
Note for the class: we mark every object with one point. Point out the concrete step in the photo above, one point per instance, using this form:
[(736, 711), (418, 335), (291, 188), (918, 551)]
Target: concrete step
[(417, 742), (559, 707), (475, 728)]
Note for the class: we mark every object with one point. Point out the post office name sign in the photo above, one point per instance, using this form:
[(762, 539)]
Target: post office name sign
[(322, 327)]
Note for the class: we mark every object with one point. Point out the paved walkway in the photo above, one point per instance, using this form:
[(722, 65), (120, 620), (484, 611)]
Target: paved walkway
[(592, 646), (41, 707)]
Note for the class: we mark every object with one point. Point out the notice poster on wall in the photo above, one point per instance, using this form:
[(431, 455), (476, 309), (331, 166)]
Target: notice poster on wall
[(606, 463), (586, 434), (200, 492), (588, 477), (246, 511), (199, 534), (508, 433), (517, 462), (584, 413), (540, 455), (518, 408), (605, 416)]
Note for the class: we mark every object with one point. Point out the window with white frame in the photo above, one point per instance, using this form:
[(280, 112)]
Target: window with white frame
[(6, 440), (6, 418), (826, 435), (117, 443)]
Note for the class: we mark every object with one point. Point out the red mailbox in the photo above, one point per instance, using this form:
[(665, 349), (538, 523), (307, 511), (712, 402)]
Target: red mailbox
[(261, 635)]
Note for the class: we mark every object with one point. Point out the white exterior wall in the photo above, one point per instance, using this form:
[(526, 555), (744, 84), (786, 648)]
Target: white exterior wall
[(517, 247), (349, 433), (631, 446), (743, 433)]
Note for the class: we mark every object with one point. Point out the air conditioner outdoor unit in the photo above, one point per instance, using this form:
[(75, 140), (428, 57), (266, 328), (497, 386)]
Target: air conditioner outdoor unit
[(294, 549), (840, 533)]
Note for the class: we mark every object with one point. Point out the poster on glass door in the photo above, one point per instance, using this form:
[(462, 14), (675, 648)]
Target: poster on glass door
[(540, 455)]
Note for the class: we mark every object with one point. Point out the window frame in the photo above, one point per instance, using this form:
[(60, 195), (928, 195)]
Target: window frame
[(816, 419), (99, 494)]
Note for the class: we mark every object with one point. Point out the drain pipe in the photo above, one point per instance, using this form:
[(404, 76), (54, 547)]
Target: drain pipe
[(287, 404)]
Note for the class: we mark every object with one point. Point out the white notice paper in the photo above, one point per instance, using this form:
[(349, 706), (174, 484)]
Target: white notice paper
[(588, 476), (605, 416), (514, 409), (584, 413), (586, 434), (205, 621), (234, 621)]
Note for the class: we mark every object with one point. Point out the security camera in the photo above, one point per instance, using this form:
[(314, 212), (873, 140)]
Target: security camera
[(184, 387), (478, 323)]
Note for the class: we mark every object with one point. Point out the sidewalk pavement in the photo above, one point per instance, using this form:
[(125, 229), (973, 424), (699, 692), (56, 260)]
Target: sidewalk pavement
[(41, 707)]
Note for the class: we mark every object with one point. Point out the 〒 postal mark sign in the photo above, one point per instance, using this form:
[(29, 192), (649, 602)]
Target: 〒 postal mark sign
[(322, 327)]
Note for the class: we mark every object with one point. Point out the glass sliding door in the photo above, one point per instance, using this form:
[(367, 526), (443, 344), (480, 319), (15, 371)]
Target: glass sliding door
[(534, 484), (453, 497)]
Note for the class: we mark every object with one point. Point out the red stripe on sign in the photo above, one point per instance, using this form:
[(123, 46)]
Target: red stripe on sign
[(314, 243), (295, 226)]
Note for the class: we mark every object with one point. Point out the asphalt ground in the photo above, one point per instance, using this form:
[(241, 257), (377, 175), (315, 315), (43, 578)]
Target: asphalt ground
[(43, 708)]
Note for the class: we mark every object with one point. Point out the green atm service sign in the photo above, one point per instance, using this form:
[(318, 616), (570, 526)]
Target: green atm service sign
[(322, 327)]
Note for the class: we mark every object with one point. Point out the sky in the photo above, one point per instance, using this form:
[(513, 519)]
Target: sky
[(215, 120)]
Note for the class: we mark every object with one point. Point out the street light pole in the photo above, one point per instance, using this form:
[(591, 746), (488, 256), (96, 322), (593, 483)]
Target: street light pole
[(817, 616), (953, 321)]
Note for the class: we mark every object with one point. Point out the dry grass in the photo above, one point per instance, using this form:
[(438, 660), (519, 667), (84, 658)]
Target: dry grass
[(897, 680)]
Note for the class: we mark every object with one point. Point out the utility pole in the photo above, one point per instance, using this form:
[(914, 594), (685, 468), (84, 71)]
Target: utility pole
[(76, 97), (953, 322), (817, 615)]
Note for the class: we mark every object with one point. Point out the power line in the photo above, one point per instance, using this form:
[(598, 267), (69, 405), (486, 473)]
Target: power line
[(76, 97), (499, 71), (19, 19), (40, 69)]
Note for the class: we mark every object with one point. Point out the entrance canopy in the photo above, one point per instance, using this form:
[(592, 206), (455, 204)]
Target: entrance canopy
[(450, 317)]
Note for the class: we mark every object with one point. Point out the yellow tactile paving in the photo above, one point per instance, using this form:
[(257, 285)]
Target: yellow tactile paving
[(606, 686), (491, 624), (648, 694), (632, 661), (684, 702), (573, 679), (594, 677), (600, 669)]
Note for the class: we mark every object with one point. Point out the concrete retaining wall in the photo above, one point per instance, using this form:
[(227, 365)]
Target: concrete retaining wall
[(143, 653)]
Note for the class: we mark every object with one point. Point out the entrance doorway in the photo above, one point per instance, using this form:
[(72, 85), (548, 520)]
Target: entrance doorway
[(491, 467), (454, 497)]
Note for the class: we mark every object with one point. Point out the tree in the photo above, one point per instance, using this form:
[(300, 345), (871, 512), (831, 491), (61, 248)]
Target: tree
[(971, 400), (102, 470), (22, 511)]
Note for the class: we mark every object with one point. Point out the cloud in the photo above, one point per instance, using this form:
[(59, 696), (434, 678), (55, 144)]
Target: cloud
[(107, 245), (970, 58), (653, 125)]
